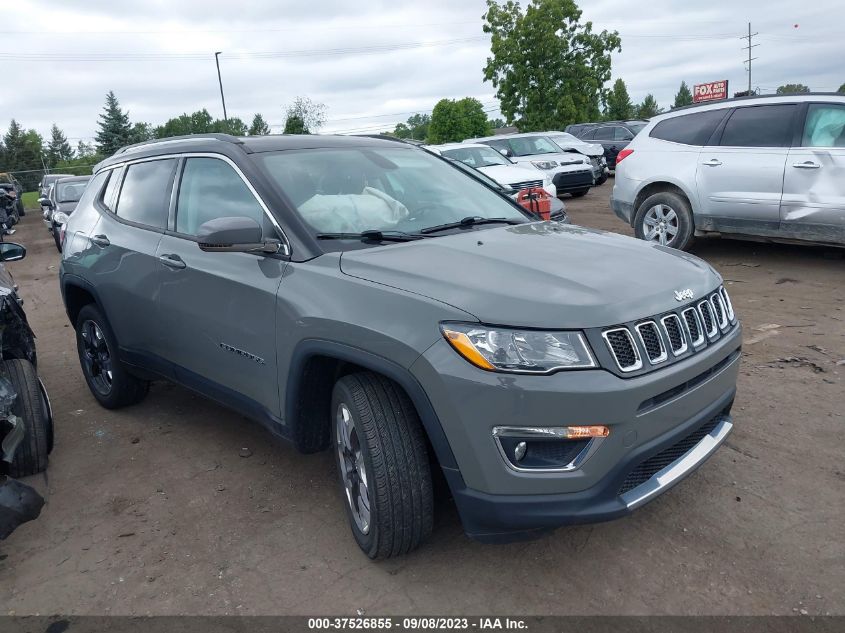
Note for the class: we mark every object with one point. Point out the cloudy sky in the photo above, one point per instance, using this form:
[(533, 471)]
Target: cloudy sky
[(373, 63)]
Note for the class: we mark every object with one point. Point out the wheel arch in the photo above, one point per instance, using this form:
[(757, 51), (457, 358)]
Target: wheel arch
[(314, 368), (658, 186), (77, 293)]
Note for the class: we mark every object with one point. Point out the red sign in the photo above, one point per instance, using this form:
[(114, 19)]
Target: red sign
[(713, 91)]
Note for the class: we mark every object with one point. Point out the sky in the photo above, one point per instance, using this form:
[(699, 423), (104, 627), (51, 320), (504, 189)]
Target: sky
[(373, 63)]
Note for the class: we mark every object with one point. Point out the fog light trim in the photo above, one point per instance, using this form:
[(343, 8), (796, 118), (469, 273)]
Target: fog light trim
[(596, 434)]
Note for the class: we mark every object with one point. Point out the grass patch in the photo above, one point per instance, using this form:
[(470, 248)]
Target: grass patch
[(30, 200)]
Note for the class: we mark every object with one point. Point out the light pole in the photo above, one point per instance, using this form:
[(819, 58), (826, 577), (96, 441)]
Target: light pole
[(220, 81)]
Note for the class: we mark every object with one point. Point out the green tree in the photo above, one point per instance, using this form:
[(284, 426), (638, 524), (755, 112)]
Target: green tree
[(115, 130), (618, 106), (497, 123), (453, 121), (304, 116), (841, 88), (23, 154), (548, 68), (788, 89), (85, 150), (199, 122), (234, 126), (79, 166), (684, 96), (648, 108), (58, 148), (416, 127), (141, 132), (259, 126)]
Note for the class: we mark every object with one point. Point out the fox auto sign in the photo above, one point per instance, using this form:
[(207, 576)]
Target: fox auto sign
[(712, 91)]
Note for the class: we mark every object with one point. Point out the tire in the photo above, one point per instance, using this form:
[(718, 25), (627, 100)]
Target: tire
[(602, 179), (107, 377), (21, 209), (674, 211), (31, 455), (55, 232), (580, 193), (384, 436)]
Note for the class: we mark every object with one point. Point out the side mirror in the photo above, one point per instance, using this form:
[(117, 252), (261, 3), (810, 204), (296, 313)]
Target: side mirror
[(45, 202), (506, 152), (11, 252), (234, 235)]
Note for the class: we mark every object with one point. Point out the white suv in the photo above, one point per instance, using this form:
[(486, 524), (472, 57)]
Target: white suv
[(771, 167)]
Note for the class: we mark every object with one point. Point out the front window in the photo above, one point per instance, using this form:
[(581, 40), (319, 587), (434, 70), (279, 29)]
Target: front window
[(532, 145), (477, 156), (380, 189), (825, 126), (70, 191)]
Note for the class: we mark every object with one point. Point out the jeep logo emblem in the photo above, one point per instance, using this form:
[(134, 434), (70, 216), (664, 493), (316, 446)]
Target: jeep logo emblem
[(683, 295)]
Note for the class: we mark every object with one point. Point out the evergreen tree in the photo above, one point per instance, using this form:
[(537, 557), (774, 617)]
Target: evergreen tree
[(618, 103), (304, 116), (648, 108), (84, 150), (684, 96), (259, 126), (115, 130), (58, 149)]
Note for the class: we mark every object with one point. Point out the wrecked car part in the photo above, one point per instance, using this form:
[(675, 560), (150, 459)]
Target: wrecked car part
[(19, 503)]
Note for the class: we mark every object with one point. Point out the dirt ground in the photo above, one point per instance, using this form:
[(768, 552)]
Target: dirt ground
[(153, 510)]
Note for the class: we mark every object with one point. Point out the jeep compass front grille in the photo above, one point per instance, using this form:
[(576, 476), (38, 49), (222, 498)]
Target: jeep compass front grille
[(683, 332)]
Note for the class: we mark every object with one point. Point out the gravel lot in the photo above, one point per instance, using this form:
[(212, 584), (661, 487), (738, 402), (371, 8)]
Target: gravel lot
[(154, 510)]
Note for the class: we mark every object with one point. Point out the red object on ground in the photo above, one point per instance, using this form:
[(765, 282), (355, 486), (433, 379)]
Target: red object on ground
[(536, 200)]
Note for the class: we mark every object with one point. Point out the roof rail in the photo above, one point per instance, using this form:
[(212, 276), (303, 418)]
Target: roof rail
[(395, 139), (226, 138), (754, 97)]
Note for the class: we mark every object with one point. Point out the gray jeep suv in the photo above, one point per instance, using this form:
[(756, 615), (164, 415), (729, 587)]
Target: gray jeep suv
[(369, 297)]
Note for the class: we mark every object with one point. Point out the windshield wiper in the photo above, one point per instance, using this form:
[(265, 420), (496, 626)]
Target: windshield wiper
[(371, 236), (472, 220)]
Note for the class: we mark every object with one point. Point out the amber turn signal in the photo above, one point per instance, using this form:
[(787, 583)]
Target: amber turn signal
[(465, 348)]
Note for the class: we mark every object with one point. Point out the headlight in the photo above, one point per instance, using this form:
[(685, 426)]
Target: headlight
[(60, 217), (544, 164), (524, 351)]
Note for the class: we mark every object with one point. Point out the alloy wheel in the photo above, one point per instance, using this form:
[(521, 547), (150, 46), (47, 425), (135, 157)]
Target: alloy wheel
[(660, 224), (353, 471), (96, 357)]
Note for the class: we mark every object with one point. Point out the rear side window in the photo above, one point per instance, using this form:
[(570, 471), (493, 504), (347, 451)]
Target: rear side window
[(621, 134), (759, 126), (145, 195), (585, 134), (689, 129), (825, 126), (604, 134)]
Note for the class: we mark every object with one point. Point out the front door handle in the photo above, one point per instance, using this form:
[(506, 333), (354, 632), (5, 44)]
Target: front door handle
[(172, 261), (713, 162), (100, 240), (807, 164)]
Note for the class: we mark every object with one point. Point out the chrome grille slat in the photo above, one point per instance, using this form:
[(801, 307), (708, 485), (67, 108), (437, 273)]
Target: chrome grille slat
[(618, 340), (728, 303), (526, 185), (694, 328), (674, 334), (708, 319), (652, 342), (719, 310)]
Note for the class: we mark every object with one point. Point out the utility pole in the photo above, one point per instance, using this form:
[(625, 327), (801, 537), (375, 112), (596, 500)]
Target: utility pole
[(220, 81), (749, 47)]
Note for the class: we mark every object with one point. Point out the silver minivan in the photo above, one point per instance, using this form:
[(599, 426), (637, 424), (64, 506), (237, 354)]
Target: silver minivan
[(756, 167)]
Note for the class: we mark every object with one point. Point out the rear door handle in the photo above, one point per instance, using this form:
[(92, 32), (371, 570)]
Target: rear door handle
[(172, 261), (100, 240), (807, 164), (713, 162)]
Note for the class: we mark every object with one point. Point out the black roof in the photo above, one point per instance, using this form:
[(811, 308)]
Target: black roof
[(248, 144)]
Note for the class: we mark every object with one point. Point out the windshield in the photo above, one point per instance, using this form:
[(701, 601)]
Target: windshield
[(476, 156), (70, 191), (531, 145), (380, 189)]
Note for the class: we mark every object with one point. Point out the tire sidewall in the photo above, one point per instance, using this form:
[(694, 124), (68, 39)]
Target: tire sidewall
[(369, 541), (681, 208), (92, 313)]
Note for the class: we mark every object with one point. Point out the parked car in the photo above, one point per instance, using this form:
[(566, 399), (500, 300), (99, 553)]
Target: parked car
[(498, 167), (557, 212), (9, 202), (26, 421), (762, 167), (571, 172), (613, 136), (62, 198), (9, 178), (44, 186), (368, 297), (593, 151)]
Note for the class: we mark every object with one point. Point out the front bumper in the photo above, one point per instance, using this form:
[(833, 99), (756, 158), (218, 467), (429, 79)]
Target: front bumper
[(497, 502), (567, 181)]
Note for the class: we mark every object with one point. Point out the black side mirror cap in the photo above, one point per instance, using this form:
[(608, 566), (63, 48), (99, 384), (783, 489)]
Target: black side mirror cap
[(235, 235), (11, 252)]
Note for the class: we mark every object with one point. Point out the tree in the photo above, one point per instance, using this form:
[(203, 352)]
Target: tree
[(497, 123), (788, 89), (304, 116), (233, 126), (259, 126), (684, 96), (23, 153), (84, 150), (618, 106), (453, 121), (648, 108), (115, 130), (415, 128), (841, 88), (200, 122), (548, 68), (58, 148), (141, 132)]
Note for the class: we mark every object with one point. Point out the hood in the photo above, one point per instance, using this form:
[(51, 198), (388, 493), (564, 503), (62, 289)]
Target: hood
[(511, 174), (542, 274), (588, 149), (67, 207)]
